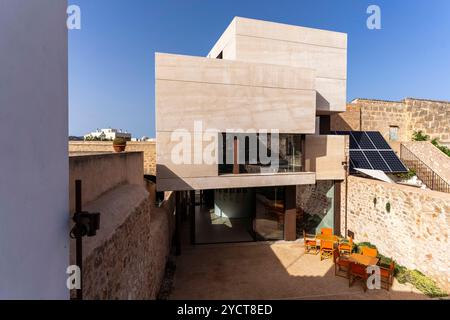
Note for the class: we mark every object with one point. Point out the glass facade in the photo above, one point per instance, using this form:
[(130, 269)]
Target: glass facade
[(255, 153)]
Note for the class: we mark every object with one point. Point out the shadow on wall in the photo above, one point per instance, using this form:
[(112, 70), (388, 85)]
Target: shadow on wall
[(177, 182), (350, 120)]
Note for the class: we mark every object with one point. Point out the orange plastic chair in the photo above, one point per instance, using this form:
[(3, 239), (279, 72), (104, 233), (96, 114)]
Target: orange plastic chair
[(326, 249), (326, 231), (310, 244), (370, 252), (387, 275), (346, 247), (357, 272)]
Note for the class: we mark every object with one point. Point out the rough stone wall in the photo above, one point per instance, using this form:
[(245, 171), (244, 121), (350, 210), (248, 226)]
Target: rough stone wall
[(314, 204), (313, 198), (348, 120), (409, 115), (416, 230), (149, 149), (434, 158), (432, 117), (130, 264)]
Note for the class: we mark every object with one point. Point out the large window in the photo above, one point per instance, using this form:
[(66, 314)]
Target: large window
[(260, 153)]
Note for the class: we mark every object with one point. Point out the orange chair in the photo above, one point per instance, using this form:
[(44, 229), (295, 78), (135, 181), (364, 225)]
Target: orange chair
[(346, 247), (370, 252), (357, 272), (310, 244), (341, 265), (326, 249), (387, 275), (326, 231)]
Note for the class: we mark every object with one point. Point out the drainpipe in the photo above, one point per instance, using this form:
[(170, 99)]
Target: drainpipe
[(347, 166)]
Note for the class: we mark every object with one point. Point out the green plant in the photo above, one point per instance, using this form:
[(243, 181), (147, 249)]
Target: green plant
[(420, 136), (388, 207), (119, 141), (375, 201), (444, 149), (420, 281), (406, 176)]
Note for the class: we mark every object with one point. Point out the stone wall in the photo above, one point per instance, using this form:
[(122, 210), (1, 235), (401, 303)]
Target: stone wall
[(126, 258), (415, 232), (432, 117), (100, 173), (434, 158), (409, 115), (315, 207), (148, 147), (130, 263)]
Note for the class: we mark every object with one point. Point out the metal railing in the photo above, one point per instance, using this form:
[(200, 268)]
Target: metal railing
[(428, 176)]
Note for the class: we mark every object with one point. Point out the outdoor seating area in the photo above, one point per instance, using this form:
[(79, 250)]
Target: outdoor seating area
[(348, 264)]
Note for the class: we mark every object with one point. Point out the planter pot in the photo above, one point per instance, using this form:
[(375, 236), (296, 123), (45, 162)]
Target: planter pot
[(119, 147)]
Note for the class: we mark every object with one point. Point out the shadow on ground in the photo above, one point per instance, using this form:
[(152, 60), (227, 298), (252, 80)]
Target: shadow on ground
[(267, 271)]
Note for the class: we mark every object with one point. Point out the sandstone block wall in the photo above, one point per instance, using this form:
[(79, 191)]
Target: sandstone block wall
[(434, 158), (415, 232), (100, 173), (409, 115), (432, 117), (130, 264), (127, 257), (148, 148)]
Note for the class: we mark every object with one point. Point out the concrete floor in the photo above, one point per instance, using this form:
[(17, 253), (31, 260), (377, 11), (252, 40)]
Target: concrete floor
[(279, 270), (210, 228)]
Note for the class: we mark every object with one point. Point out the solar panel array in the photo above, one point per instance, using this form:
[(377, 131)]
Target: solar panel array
[(369, 150)]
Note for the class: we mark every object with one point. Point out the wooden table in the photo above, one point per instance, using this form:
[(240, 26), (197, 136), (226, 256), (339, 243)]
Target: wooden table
[(327, 237), (364, 260)]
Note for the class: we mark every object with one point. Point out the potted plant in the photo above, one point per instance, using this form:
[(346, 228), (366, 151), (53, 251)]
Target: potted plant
[(119, 144)]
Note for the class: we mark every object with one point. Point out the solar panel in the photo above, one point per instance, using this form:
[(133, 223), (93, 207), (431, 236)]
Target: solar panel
[(369, 150), (359, 160), (363, 140), (394, 162), (377, 161), (378, 140)]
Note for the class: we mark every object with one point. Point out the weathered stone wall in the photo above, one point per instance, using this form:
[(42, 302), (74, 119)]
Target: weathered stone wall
[(131, 263), (432, 117), (409, 115), (416, 230), (314, 204), (434, 158), (347, 121), (100, 173), (149, 149), (126, 258)]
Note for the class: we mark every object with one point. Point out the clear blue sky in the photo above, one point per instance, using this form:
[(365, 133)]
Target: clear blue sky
[(111, 59)]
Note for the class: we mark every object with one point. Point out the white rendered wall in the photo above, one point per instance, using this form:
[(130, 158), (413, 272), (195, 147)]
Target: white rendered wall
[(34, 226)]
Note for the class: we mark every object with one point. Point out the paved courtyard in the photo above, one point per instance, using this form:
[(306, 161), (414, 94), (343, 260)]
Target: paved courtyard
[(267, 271)]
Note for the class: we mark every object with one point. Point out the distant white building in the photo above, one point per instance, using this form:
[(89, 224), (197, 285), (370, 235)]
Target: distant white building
[(108, 134)]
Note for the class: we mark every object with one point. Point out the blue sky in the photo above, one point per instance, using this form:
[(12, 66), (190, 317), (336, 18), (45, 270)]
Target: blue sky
[(111, 59)]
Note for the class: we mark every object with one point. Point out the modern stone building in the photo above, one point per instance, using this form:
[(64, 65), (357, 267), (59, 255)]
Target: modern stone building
[(212, 114)]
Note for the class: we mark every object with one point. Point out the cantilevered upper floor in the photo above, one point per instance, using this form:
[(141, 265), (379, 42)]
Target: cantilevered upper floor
[(323, 51), (291, 75)]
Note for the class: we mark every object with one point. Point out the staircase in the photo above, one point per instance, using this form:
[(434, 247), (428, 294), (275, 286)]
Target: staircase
[(428, 176)]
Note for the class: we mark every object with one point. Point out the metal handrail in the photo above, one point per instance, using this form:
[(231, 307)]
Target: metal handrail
[(442, 184)]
